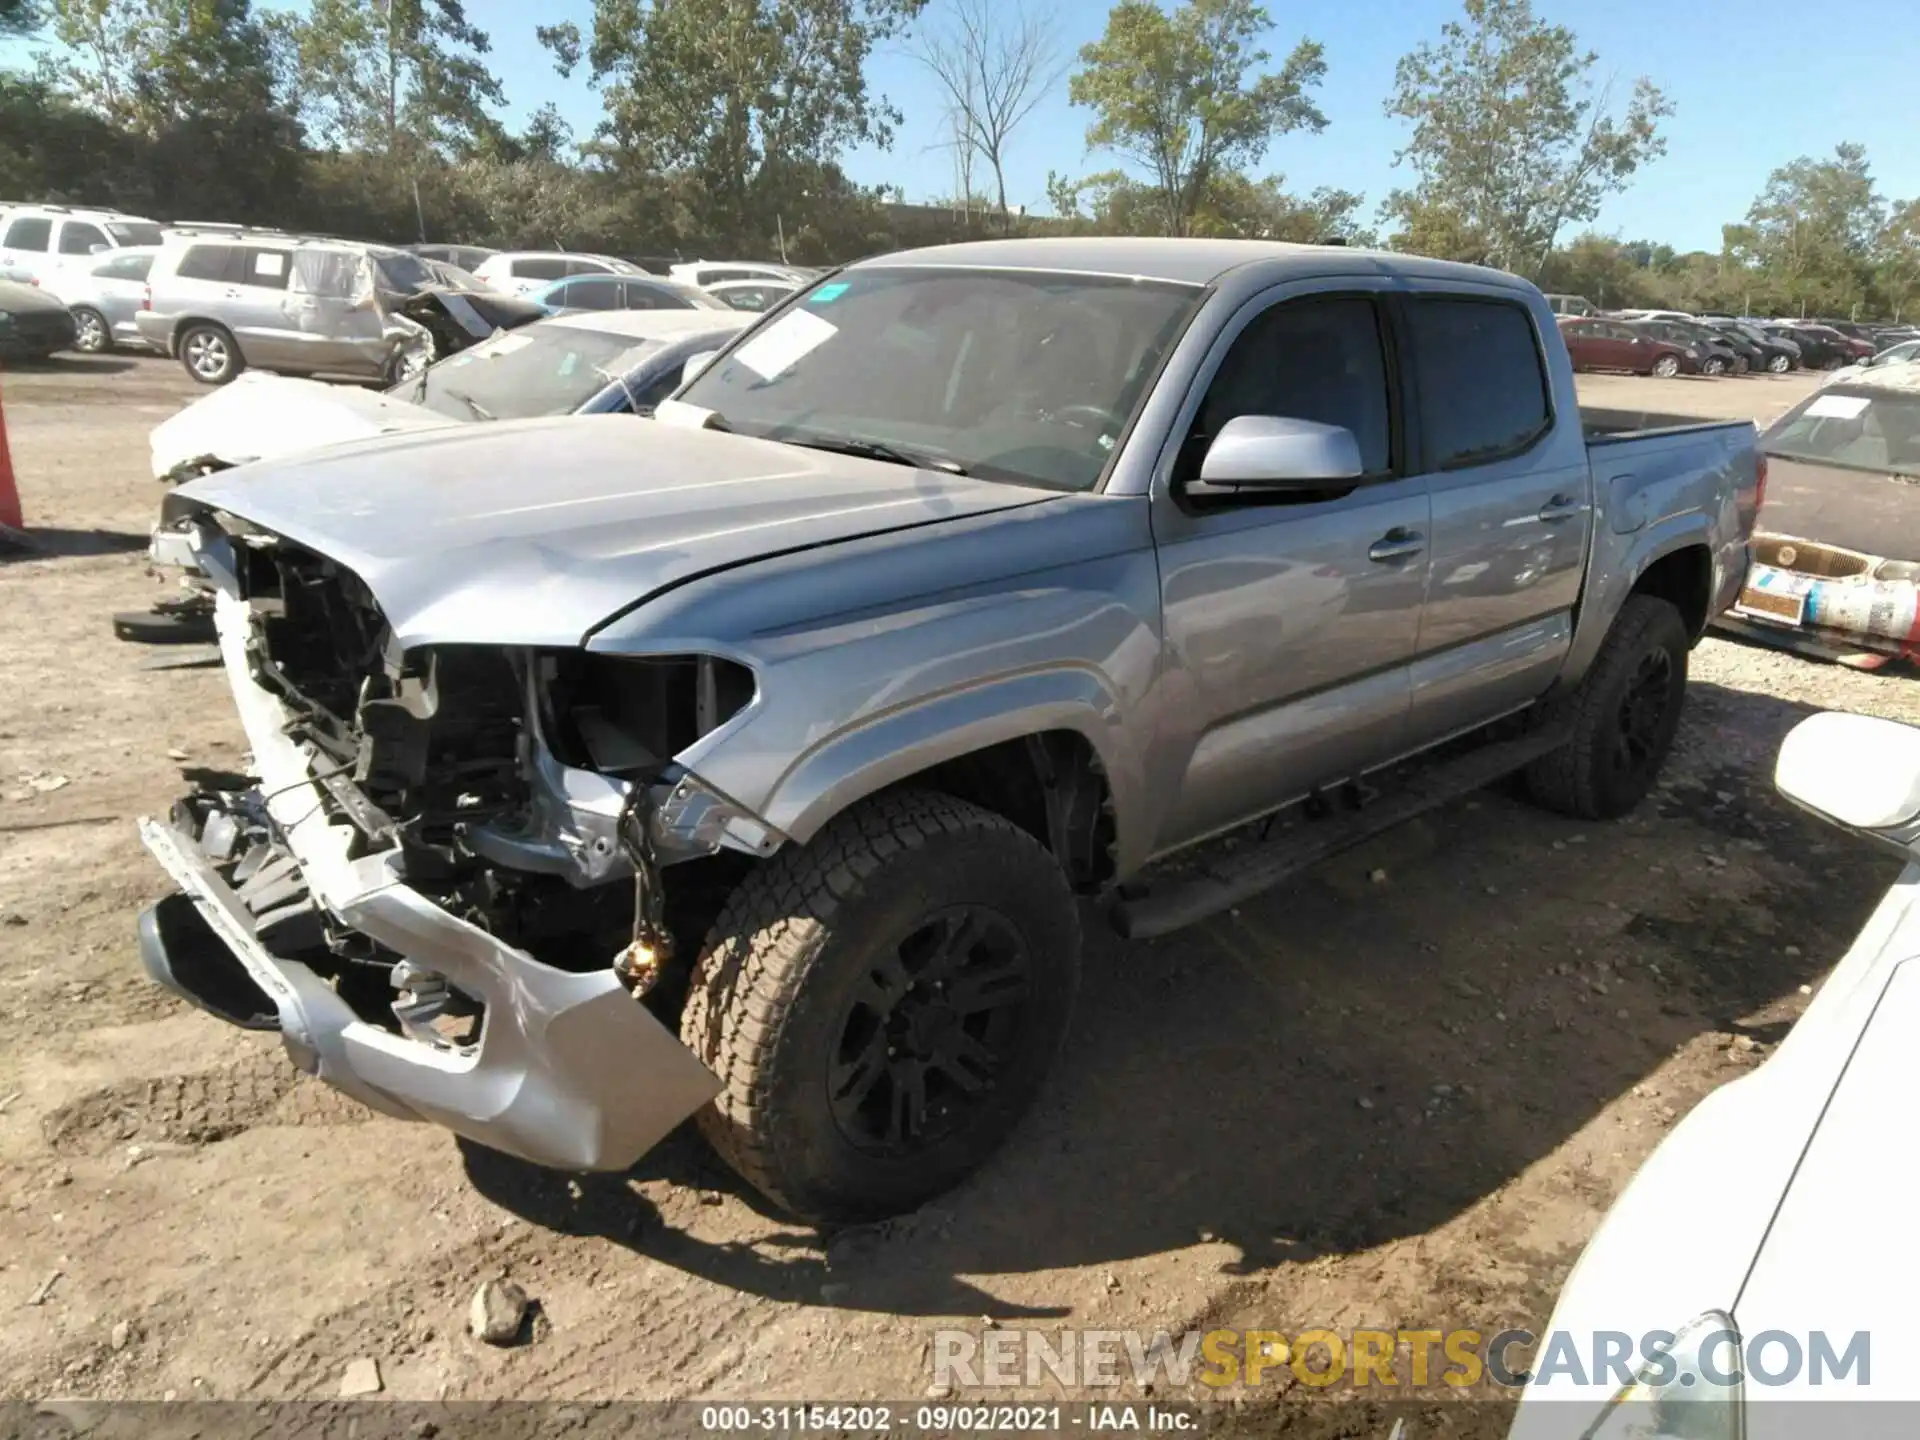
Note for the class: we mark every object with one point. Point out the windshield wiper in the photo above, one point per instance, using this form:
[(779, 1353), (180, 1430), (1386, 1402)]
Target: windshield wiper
[(874, 450), (472, 404)]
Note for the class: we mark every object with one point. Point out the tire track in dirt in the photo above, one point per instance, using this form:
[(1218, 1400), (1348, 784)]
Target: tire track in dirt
[(198, 1108)]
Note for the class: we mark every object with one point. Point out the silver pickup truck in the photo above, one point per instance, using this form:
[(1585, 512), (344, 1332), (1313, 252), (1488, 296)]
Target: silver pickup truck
[(750, 762)]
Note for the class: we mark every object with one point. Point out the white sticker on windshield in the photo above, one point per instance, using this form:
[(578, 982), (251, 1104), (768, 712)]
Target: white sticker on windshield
[(502, 344), (1838, 407), (777, 348)]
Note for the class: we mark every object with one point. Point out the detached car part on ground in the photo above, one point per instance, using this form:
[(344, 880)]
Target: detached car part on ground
[(753, 770), (581, 365), (1836, 570), (1798, 1180)]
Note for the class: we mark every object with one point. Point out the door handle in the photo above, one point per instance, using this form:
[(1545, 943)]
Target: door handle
[(1561, 507), (1398, 543)]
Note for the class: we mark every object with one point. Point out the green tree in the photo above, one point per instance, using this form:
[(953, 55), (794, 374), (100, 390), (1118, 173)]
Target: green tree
[(149, 63), (391, 76), (189, 84), (1171, 94), (1897, 258), (19, 17), (748, 99), (1510, 134), (1811, 236), (1436, 227)]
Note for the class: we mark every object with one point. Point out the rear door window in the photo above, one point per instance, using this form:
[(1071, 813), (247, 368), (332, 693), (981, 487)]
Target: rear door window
[(206, 262), (539, 267), (582, 266), (29, 232), (266, 269), (592, 293), (1483, 383), (125, 267), (77, 237)]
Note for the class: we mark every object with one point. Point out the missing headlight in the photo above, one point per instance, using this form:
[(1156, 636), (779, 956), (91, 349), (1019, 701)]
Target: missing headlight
[(628, 715)]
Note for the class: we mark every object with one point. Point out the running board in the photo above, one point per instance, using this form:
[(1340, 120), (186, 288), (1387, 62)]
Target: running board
[(1242, 874)]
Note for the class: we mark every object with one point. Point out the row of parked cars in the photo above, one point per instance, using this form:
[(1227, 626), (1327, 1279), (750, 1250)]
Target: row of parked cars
[(221, 298), (1670, 342)]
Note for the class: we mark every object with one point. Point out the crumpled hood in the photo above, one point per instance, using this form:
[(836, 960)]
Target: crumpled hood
[(261, 416), (534, 532)]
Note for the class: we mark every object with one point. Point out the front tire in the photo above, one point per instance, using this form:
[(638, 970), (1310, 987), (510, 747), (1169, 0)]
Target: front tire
[(1715, 366), (209, 354), (1780, 364), (882, 1004), (91, 333), (1666, 367), (1625, 715)]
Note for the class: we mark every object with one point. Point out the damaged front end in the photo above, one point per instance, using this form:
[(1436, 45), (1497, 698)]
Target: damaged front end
[(446, 889)]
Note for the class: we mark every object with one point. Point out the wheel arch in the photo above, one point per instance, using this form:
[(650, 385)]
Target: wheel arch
[(1040, 749), (184, 323), (1682, 576)]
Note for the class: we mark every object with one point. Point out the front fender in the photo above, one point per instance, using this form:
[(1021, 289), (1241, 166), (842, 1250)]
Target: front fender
[(887, 748)]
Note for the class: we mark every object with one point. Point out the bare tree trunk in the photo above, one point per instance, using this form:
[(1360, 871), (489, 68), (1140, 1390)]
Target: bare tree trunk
[(995, 61)]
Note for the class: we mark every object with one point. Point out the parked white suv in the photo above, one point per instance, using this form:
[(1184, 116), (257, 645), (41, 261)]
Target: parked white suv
[(521, 272), (37, 238)]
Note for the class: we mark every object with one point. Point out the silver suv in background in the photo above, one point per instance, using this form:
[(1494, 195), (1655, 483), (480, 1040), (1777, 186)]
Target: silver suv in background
[(521, 272), (105, 295), (302, 306), (38, 239)]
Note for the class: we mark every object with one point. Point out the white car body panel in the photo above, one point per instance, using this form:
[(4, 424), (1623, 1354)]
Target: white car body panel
[(1785, 1199), (262, 416)]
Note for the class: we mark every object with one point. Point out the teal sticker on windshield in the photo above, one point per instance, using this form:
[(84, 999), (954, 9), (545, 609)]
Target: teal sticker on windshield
[(567, 365), (827, 294)]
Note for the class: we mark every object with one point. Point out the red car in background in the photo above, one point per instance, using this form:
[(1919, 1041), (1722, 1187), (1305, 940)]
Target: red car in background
[(1596, 343)]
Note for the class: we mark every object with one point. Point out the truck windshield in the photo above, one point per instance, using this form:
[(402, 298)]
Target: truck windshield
[(1024, 376), (1854, 430), (536, 370)]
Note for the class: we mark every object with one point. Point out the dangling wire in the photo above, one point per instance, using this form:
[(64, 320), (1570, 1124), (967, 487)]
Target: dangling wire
[(642, 962)]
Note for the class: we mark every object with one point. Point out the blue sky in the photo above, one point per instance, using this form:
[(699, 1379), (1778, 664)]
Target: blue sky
[(1756, 84)]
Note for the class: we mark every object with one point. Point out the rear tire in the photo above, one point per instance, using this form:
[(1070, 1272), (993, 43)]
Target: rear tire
[(91, 333), (1625, 715), (882, 1004), (209, 353)]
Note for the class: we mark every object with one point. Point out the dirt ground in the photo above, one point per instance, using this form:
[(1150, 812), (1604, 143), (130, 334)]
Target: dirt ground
[(1400, 1101)]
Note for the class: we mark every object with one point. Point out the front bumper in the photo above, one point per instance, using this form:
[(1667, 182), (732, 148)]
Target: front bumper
[(567, 1070)]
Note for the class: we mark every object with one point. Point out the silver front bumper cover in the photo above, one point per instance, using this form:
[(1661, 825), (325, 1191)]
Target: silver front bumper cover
[(569, 1070)]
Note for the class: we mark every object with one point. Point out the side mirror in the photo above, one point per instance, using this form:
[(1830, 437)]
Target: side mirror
[(1274, 452), (1858, 771), (97, 249), (696, 363)]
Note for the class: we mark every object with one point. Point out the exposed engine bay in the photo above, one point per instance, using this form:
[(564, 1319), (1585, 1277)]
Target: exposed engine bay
[(518, 788)]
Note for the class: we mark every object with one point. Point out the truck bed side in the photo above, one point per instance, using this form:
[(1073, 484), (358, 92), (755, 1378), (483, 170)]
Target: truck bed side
[(1669, 491)]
